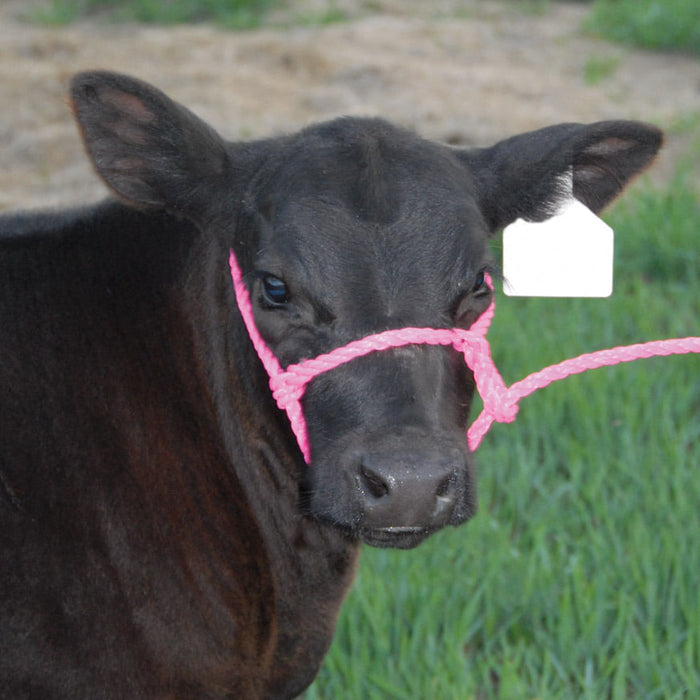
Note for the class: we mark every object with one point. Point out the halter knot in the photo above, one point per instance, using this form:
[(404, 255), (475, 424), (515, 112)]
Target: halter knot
[(502, 410), (286, 388)]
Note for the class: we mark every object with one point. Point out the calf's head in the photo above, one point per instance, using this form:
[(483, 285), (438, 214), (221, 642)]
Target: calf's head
[(349, 228)]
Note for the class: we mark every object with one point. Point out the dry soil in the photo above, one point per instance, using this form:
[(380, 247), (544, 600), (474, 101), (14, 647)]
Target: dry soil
[(467, 72)]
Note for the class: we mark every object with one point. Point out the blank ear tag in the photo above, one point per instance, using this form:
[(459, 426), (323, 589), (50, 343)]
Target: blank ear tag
[(568, 255)]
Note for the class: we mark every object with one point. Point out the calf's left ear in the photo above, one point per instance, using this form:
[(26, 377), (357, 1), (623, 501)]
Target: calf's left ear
[(530, 175), (150, 150)]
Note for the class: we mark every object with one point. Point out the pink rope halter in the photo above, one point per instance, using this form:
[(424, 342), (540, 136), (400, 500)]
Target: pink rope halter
[(500, 402)]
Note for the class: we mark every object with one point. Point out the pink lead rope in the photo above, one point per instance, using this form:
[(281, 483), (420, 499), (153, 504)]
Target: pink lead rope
[(500, 402)]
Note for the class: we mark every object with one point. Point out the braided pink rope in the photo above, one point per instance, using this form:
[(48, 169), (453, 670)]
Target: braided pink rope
[(500, 402)]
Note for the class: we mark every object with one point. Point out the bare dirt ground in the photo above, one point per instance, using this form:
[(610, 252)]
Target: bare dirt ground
[(468, 72)]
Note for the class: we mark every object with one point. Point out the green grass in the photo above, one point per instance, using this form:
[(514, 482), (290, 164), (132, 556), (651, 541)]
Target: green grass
[(580, 576), (654, 24), (232, 14), (598, 68), (658, 24)]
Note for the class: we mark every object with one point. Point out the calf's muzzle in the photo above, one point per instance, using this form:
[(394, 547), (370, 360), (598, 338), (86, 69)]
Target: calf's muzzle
[(409, 488)]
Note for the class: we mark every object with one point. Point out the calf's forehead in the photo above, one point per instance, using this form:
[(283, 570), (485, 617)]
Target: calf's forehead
[(428, 235), (373, 204), (372, 165)]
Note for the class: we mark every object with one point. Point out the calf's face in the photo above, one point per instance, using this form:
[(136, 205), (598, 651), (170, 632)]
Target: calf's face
[(350, 228), (364, 228)]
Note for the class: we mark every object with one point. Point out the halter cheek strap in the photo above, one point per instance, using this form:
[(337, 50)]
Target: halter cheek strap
[(500, 402)]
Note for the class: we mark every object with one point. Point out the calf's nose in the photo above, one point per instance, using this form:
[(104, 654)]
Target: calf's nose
[(409, 489)]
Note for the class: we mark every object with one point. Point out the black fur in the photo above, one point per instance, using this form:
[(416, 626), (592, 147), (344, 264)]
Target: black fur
[(160, 533)]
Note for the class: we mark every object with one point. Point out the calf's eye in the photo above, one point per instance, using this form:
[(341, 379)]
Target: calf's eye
[(274, 291), (480, 281)]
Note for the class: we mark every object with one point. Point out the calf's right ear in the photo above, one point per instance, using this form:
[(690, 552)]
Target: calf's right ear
[(529, 176), (151, 151)]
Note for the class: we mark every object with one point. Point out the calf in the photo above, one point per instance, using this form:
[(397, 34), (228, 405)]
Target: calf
[(162, 535)]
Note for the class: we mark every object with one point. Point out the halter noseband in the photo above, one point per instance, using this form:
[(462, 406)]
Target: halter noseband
[(500, 402)]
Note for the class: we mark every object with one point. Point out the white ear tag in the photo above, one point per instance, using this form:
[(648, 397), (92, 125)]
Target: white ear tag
[(568, 255)]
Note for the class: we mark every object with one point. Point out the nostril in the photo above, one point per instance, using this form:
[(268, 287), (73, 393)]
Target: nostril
[(373, 482), (447, 486)]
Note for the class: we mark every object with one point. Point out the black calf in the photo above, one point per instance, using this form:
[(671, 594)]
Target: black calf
[(160, 533)]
